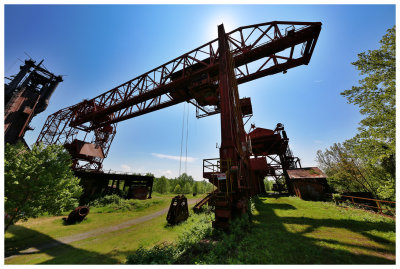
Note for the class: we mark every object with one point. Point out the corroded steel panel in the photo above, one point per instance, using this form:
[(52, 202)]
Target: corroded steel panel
[(78, 147), (245, 105), (26, 95), (261, 133), (259, 164), (307, 172), (91, 150), (139, 192), (309, 190)]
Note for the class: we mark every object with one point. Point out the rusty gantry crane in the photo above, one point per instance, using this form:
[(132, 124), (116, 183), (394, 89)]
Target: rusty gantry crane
[(208, 78)]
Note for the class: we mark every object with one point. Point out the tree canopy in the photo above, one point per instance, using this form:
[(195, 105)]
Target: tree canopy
[(376, 97), (177, 189), (160, 185), (367, 161), (38, 181), (186, 185)]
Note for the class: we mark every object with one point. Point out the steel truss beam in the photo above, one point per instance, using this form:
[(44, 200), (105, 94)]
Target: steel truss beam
[(258, 50), (149, 92)]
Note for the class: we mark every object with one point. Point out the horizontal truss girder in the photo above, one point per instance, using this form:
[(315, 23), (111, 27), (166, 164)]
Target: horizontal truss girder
[(258, 50)]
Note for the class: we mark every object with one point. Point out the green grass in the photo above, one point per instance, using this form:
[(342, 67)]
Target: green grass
[(287, 230), (108, 248), (25, 234), (284, 230)]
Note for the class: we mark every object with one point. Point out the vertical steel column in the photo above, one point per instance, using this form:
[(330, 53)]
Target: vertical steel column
[(232, 198), (228, 138)]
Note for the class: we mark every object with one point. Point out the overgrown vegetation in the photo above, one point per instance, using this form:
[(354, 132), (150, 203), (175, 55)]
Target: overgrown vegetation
[(200, 244), (283, 230), (184, 184), (38, 181), (366, 162), (114, 203), (45, 229), (198, 226), (268, 184)]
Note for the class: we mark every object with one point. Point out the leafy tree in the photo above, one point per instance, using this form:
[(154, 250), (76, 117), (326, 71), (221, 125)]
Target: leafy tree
[(38, 181), (376, 97), (345, 171), (369, 157), (186, 188), (268, 184), (201, 187), (185, 178), (208, 187), (178, 189), (155, 184), (196, 188), (163, 185)]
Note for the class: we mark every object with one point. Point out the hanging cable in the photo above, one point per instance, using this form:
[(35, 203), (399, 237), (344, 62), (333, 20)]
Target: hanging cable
[(187, 134), (183, 126)]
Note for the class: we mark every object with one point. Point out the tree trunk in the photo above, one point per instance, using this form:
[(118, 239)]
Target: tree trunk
[(11, 220)]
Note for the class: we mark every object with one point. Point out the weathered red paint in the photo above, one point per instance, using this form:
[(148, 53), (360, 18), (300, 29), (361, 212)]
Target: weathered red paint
[(206, 76)]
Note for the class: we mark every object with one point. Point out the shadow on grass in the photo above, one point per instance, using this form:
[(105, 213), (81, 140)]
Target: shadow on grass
[(36, 243), (270, 241)]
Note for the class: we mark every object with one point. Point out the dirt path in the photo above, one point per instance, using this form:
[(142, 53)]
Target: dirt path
[(92, 233)]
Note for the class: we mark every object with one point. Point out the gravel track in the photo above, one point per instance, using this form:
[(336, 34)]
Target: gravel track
[(92, 233)]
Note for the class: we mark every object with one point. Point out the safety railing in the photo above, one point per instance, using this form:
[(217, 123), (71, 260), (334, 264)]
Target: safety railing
[(221, 180), (383, 207), (211, 165)]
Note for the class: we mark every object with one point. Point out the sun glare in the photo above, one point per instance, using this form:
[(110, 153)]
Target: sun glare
[(228, 19)]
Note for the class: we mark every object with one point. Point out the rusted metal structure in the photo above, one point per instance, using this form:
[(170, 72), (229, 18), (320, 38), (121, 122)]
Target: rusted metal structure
[(207, 77), (208, 199), (106, 183), (309, 183), (178, 210), (257, 50), (272, 154), (269, 156), (383, 207), (26, 95), (77, 215)]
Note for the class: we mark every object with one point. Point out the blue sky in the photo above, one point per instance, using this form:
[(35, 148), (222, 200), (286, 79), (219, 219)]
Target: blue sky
[(98, 47)]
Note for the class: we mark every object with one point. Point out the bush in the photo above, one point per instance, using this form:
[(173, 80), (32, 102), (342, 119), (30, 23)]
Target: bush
[(111, 203), (200, 244), (198, 227), (38, 181), (159, 254), (106, 200), (336, 197)]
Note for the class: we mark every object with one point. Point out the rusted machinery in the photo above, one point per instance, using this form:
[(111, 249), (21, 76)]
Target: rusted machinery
[(26, 95), (208, 78), (77, 215), (106, 183), (208, 199), (178, 210), (236, 175), (271, 154)]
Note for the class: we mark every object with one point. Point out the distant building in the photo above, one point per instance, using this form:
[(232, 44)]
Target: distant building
[(309, 183)]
